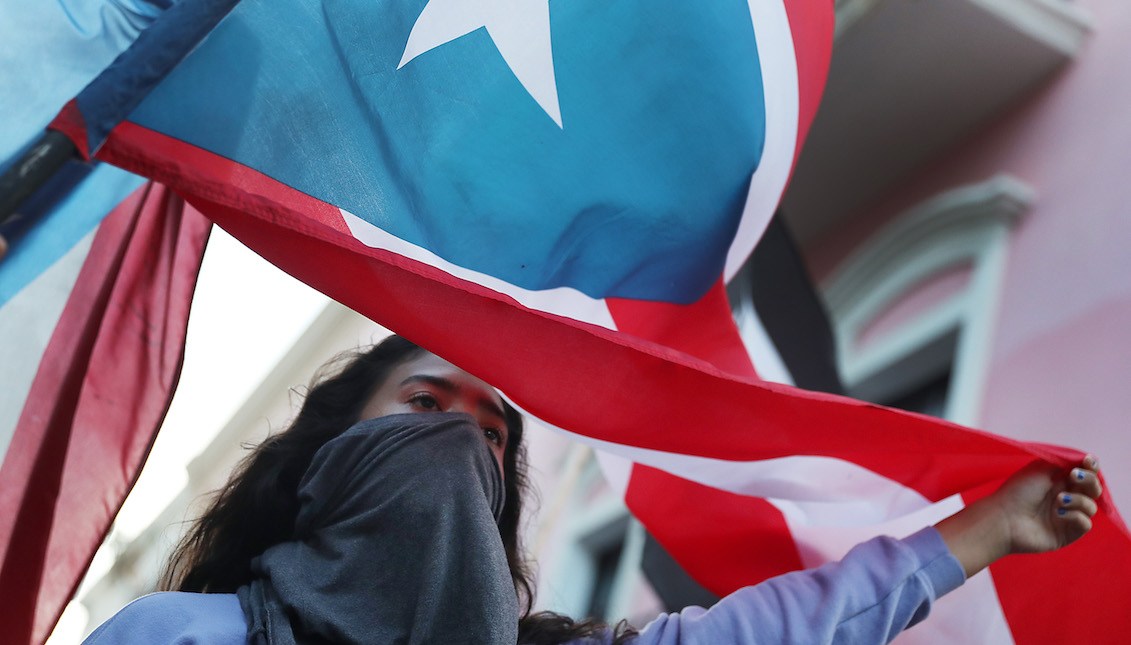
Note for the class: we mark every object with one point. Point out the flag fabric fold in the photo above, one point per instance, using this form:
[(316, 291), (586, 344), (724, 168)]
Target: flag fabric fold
[(101, 386), (94, 299), (551, 198)]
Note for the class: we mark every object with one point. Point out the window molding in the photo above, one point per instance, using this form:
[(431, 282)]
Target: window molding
[(966, 226), (592, 528)]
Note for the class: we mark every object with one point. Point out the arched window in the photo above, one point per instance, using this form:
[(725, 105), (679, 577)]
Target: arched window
[(914, 307)]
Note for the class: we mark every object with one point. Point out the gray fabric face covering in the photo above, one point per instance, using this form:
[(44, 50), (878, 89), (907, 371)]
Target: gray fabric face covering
[(396, 542)]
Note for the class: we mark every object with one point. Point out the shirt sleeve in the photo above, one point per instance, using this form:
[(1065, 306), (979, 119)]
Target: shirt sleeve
[(170, 618), (880, 588)]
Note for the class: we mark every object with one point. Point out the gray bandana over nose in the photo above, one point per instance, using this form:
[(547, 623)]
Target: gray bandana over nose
[(396, 542)]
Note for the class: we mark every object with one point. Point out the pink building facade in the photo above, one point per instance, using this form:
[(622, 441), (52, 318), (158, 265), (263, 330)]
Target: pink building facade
[(993, 254)]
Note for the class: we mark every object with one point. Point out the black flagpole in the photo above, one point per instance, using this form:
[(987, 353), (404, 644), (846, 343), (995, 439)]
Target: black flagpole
[(31, 171)]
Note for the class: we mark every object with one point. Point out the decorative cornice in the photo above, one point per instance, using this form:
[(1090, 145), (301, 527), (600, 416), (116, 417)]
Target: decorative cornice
[(999, 202)]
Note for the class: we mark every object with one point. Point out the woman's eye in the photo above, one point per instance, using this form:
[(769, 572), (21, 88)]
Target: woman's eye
[(424, 401), (493, 435)]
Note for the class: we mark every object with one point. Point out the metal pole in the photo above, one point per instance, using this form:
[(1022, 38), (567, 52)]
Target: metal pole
[(32, 170)]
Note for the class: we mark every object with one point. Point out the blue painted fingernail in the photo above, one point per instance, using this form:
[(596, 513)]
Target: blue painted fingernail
[(1061, 511), (1079, 475), (1066, 499)]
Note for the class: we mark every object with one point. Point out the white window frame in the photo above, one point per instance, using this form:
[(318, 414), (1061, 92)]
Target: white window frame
[(966, 226)]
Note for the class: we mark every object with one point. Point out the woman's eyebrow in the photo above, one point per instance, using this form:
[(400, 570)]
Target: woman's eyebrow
[(437, 381), (493, 408)]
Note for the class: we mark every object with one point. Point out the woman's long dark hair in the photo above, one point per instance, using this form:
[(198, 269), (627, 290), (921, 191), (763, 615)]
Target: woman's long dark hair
[(258, 506)]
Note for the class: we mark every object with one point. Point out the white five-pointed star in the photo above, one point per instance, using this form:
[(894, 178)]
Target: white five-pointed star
[(520, 30)]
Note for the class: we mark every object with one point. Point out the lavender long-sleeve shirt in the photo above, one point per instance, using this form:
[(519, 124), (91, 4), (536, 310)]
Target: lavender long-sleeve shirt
[(879, 589)]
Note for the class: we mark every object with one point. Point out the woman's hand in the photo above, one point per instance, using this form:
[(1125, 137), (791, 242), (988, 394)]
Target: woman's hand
[(1047, 508), (1041, 508)]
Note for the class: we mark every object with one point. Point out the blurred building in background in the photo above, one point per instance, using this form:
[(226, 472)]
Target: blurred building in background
[(964, 205)]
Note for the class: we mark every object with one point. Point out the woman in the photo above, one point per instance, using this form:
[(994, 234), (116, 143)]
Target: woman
[(389, 511)]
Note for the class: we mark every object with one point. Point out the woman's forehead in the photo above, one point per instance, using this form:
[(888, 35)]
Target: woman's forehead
[(429, 364), (426, 362)]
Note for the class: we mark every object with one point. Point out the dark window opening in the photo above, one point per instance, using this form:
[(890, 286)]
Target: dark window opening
[(607, 561), (928, 398)]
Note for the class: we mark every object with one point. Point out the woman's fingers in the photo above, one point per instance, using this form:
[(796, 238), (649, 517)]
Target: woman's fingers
[(1075, 503), (1076, 506), (1073, 526), (1084, 480)]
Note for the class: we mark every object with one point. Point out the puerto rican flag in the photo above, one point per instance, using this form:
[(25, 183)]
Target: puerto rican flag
[(551, 194)]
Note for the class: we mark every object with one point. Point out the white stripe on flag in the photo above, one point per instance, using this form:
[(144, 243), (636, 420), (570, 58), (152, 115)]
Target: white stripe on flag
[(782, 103), (767, 361), (829, 506), (812, 491), (616, 469), (27, 322), (562, 301)]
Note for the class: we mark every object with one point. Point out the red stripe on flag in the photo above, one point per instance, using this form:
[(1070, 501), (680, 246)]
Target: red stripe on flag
[(237, 181), (704, 329), (812, 25), (725, 540), (101, 391)]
